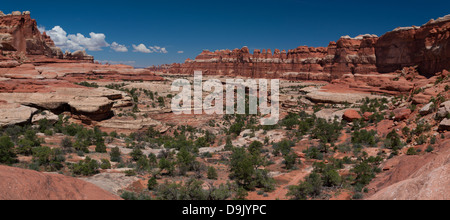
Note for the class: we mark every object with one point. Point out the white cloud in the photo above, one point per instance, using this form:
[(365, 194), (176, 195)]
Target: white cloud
[(163, 50), (95, 41), (180, 52), (144, 49), (119, 48), (141, 48), (72, 42)]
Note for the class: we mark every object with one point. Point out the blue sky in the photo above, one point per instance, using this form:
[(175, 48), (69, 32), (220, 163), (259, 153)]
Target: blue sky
[(172, 26)]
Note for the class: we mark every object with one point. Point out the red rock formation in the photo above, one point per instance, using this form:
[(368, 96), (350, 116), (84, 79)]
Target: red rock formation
[(427, 47), (20, 38), (351, 115), (424, 177), (348, 55), (401, 113), (20, 184)]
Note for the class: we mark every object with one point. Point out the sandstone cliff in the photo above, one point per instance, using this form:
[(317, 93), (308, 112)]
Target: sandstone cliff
[(427, 47), (21, 40), (347, 55)]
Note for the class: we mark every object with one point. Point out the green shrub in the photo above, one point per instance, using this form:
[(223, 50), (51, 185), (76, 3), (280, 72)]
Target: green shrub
[(364, 137), (411, 151), (393, 141), (212, 173), (152, 183), (86, 167), (284, 147), (7, 154), (105, 164), (290, 161), (50, 159), (67, 145), (255, 147), (115, 155), (313, 153)]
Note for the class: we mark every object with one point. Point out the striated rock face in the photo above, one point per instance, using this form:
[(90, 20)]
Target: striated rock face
[(20, 184), (347, 55), (21, 39), (18, 32), (427, 47)]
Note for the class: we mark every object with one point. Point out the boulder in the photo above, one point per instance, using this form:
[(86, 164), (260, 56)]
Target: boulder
[(95, 108), (326, 114), (49, 116), (444, 110), (427, 109), (401, 114), (421, 99), (367, 115), (15, 114), (444, 125), (351, 115)]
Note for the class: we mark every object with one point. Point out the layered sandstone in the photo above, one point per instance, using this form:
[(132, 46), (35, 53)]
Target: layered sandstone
[(21, 39), (347, 55), (427, 47)]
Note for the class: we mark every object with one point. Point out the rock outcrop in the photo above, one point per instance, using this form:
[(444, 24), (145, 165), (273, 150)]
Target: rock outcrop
[(351, 115), (445, 125), (15, 114), (347, 55), (20, 184), (21, 39), (415, 177), (444, 110), (427, 47), (86, 104)]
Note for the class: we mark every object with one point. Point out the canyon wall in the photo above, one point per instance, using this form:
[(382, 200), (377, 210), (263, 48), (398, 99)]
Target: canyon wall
[(347, 55), (427, 47)]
